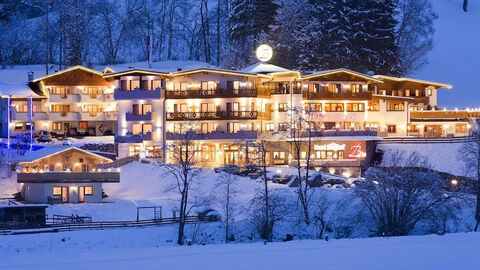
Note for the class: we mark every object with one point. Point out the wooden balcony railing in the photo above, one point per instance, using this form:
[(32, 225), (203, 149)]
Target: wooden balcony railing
[(341, 95), (220, 115), (280, 91), (212, 93), (68, 177)]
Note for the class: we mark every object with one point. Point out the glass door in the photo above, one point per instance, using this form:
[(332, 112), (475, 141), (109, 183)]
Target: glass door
[(81, 194), (64, 194)]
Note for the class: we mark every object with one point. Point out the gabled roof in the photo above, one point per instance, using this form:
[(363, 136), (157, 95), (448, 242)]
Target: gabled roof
[(47, 151), (436, 84), (264, 68), (214, 70), (68, 70), (340, 70)]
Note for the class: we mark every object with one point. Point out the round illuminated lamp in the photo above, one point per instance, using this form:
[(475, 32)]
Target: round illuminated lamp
[(264, 53)]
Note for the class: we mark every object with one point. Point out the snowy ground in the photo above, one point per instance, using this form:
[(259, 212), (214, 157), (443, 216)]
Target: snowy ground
[(147, 249), (444, 157)]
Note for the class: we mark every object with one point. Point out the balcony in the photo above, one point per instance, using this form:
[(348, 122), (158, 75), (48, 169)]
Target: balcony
[(93, 98), (64, 116), (137, 138), (340, 95), (138, 117), (215, 135), (221, 115), (23, 116), (279, 91), (440, 115), (137, 94), (65, 98), (110, 116), (222, 93), (342, 133), (69, 177)]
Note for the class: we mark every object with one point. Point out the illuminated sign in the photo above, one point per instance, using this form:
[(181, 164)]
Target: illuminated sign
[(264, 53), (356, 151)]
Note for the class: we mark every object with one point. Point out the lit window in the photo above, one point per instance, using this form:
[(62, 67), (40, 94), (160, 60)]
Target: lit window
[(57, 191), (269, 127), (89, 190)]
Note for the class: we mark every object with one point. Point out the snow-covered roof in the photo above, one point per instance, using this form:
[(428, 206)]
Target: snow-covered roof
[(16, 90), (161, 66), (340, 70), (46, 151), (264, 68), (214, 70), (68, 70), (436, 84)]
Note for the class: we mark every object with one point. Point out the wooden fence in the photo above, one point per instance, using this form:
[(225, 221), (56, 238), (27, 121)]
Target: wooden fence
[(56, 227)]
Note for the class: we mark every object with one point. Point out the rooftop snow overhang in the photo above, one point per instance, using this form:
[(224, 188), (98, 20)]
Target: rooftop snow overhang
[(25, 159), (341, 70), (219, 71), (395, 79), (135, 72), (69, 177)]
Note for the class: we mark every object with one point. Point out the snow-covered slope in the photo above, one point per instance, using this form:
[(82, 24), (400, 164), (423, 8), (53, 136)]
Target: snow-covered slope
[(455, 58)]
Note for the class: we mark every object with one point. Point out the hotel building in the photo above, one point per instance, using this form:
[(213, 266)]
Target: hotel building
[(147, 108)]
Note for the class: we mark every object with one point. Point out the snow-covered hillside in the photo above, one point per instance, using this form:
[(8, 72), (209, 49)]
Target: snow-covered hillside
[(455, 57)]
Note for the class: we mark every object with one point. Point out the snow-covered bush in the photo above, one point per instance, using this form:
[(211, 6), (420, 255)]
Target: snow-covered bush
[(397, 198)]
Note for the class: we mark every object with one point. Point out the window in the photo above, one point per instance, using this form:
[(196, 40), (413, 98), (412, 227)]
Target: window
[(392, 128), (57, 126), (461, 128), (18, 126), (233, 127), (355, 107), (88, 190), (282, 107), (282, 126), (374, 105), (135, 84), (82, 125), (269, 127), (395, 106), (334, 107), (356, 88), (278, 155), (57, 191), (429, 92), (207, 127)]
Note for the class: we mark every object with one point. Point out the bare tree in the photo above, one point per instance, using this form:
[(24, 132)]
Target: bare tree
[(465, 4), (300, 132), (469, 153), (414, 34), (326, 214), (399, 197), (183, 155), (227, 195)]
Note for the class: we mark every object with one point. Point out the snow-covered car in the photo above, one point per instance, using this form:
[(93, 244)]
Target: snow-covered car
[(230, 168), (44, 136), (67, 142)]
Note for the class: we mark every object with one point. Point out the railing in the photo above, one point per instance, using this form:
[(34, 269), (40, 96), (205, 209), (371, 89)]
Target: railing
[(137, 138), (138, 117), (67, 177), (55, 227), (75, 116), (415, 140), (336, 133), (23, 116), (70, 97), (443, 114), (137, 93), (279, 91), (216, 135), (221, 115), (211, 93), (340, 95)]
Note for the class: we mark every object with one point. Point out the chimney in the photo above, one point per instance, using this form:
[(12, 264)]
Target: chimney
[(179, 69), (30, 76)]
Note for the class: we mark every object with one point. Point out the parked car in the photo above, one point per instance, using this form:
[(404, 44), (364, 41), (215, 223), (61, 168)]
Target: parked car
[(250, 169), (230, 168), (44, 136)]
